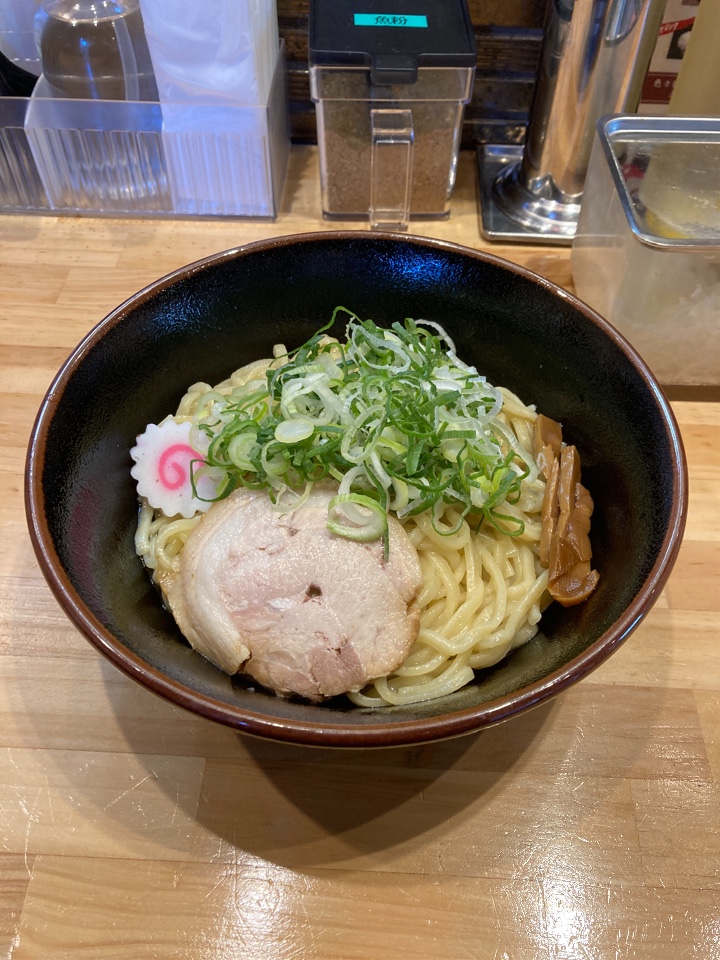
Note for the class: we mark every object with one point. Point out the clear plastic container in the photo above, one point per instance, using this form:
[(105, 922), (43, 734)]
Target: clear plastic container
[(389, 93), (21, 188), (122, 158), (388, 153), (94, 155), (646, 254)]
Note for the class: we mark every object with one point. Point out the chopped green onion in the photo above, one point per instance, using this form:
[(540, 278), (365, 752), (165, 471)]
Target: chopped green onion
[(356, 517), (392, 415), (293, 431)]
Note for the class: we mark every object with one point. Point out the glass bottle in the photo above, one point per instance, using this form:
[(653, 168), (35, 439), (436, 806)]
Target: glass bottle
[(95, 49)]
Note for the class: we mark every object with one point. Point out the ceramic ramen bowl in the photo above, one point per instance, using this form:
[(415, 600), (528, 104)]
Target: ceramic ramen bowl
[(208, 318)]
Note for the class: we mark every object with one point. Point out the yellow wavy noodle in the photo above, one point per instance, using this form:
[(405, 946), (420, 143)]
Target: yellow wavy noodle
[(483, 591), (483, 595)]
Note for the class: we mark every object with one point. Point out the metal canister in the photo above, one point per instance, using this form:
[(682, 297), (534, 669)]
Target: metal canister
[(594, 56)]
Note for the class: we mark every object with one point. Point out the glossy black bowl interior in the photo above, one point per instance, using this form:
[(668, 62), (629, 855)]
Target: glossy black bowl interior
[(210, 318)]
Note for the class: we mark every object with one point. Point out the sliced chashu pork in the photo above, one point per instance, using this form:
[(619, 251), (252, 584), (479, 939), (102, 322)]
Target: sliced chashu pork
[(281, 598)]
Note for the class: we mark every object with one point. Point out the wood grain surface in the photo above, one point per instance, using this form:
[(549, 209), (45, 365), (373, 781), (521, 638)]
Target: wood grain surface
[(588, 829)]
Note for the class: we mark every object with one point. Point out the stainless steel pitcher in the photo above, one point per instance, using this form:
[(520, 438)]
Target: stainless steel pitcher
[(594, 56)]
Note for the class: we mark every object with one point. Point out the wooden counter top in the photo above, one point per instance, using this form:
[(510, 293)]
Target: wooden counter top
[(588, 829)]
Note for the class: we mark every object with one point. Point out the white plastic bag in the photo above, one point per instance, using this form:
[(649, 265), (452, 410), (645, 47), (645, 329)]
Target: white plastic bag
[(214, 51)]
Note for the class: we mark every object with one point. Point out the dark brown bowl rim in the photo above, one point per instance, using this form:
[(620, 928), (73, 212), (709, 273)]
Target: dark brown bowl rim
[(326, 733)]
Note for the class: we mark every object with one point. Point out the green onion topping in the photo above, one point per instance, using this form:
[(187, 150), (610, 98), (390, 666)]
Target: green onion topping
[(392, 415)]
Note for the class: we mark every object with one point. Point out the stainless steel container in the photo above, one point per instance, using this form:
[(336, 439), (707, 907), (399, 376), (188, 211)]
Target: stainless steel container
[(646, 254)]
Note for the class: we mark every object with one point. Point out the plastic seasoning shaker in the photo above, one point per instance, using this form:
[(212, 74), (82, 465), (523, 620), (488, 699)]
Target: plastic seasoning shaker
[(389, 85)]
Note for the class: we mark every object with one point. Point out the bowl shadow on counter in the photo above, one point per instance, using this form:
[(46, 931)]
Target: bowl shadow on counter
[(306, 808), (362, 803)]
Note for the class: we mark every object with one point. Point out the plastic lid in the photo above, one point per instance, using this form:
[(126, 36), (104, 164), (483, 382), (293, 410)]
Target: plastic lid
[(393, 38)]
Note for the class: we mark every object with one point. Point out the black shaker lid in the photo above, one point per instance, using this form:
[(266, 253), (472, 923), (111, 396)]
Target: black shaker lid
[(393, 37)]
